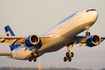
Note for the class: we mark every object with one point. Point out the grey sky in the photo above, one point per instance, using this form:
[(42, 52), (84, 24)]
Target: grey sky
[(33, 16)]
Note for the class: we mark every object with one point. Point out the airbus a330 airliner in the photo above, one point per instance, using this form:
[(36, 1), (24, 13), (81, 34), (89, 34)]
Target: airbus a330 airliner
[(64, 33)]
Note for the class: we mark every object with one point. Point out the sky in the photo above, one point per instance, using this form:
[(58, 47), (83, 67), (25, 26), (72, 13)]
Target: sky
[(27, 17)]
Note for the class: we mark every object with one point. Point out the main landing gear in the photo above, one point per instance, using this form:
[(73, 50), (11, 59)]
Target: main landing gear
[(69, 54), (33, 57)]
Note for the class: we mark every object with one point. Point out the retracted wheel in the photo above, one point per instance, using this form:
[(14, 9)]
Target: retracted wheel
[(65, 59), (30, 59)]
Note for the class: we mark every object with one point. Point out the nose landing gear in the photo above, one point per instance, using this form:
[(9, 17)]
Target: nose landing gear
[(87, 33)]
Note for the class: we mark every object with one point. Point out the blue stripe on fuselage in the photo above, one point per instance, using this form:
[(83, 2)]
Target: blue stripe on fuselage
[(66, 18), (19, 46)]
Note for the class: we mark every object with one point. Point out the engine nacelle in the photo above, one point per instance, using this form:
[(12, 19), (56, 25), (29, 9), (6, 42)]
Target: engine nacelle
[(32, 40), (93, 40)]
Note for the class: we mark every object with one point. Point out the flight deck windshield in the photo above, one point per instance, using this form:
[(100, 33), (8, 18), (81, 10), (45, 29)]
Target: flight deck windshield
[(90, 10)]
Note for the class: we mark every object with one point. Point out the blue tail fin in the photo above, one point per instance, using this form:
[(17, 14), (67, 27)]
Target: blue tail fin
[(9, 32)]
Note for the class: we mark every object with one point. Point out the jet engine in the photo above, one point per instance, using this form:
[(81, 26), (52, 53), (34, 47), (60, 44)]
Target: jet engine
[(33, 40), (93, 40)]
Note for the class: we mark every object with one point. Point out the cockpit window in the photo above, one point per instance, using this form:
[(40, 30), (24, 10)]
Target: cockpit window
[(90, 10)]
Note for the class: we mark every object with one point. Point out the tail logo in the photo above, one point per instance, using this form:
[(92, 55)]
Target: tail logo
[(8, 33)]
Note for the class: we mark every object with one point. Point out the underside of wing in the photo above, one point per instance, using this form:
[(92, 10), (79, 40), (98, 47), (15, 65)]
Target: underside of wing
[(80, 38), (26, 40), (102, 38), (90, 41), (46, 38), (12, 39)]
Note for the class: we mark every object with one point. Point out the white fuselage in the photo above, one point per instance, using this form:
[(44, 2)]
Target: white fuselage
[(64, 32)]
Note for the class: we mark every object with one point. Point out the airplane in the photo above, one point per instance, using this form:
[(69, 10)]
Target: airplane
[(64, 33)]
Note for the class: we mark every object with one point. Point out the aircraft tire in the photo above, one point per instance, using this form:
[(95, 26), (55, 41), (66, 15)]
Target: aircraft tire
[(32, 54), (87, 34), (30, 59), (34, 59), (67, 54), (69, 59), (72, 54), (65, 59)]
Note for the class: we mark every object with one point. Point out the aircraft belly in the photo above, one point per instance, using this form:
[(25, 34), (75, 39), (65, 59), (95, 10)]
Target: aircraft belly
[(54, 45), (21, 54)]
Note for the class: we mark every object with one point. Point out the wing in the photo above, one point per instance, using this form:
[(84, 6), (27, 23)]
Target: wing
[(21, 39), (102, 38), (12, 39), (83, 39)]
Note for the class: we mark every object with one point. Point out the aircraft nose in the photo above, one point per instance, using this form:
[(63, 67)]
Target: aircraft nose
[(94, 16)]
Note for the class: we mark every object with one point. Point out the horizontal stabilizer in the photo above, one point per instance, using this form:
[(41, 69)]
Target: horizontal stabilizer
[(5, 54)]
